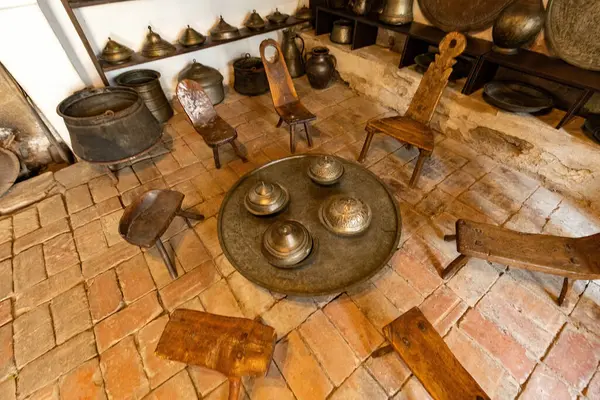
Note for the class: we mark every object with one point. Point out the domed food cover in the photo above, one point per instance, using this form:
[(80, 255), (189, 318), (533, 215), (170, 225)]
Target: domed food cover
[(345, 215), (277, 17), (224, 31), (155, 46), (209, 78), (115, 52), (265, 198), (325, 170), (286, 243), (191, 37), (255, 22)]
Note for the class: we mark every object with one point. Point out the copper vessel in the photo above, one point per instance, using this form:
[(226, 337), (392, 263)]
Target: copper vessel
[(155, 46), (255, 22), (517, 25), (190, 38), (342, 31), (209, 78), (224, 31), (146, 82), (286, 243), (304, 14), (266, 198), (397, 12), (115, 53), (345, 215), (277, 17)]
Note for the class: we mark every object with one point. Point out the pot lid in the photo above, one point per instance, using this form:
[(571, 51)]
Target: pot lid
[(155, 46), (255, 21), (113, 48), (265, 198), (203, 74), (325, 170), (191, 37), (277, 17), (304, 13), (345, 215), (223, 27), (286, 243)]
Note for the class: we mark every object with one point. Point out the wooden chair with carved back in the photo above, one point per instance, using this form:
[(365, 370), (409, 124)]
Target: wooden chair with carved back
[(413, 128), (201, 113), (572, 258), (285, 99)]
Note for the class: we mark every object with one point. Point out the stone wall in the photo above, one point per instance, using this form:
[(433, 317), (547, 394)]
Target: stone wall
[(566, 160)]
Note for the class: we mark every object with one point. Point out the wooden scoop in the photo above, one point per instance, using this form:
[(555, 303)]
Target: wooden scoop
[(235, 347)]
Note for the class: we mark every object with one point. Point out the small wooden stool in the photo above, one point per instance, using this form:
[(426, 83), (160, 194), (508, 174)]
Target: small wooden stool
[(572, 258), (235, 347), (148, 217), (201, 113), (285, 99)]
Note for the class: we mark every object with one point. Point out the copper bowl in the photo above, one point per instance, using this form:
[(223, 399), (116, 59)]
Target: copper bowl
[(265, 198), (345, 215), (286, 243), (325, 170)]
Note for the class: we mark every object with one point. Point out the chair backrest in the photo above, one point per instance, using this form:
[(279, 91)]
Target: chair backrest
[(434, 81), (195, 102), (280, 81)]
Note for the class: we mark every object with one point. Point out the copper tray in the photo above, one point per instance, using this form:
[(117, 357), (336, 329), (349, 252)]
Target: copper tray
[(573, 30), (339, 262), (462, 15)]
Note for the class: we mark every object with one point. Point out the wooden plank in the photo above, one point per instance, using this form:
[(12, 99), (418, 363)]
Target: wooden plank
[(89, 3), (430, 359)]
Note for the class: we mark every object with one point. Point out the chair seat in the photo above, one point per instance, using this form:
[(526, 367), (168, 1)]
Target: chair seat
[(404, 129), (216, 132), (295, 113), (575, 258)]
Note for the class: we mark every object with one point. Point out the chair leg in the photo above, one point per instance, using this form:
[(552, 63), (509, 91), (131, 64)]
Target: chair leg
[(308, 137), (279, 123), (238, 151), (292, 139), (216, 157), (365, 149), (455, 265), (423, 155), (382, 351), (165, 256), (563, 292)]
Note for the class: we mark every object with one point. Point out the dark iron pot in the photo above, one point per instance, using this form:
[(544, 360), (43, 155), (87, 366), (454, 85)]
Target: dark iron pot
[(109, 125), (209, 77), (320, 67), (250, 78), (146, 82)]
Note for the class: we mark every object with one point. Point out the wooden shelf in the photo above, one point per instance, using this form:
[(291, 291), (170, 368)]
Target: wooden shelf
[(245, 33), (89, 3)]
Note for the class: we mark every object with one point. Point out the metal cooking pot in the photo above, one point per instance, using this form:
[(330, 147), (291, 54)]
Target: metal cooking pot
[(342, 31), (109, 125), (397, 12), (146, 82), (209, 78), (249, 76)]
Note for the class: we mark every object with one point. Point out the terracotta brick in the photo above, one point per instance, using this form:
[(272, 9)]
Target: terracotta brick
[(543, 201), (193, 304), (443, 308), (360, 385), (7, 356), (395, 288), (184, 174), (41, 235), (413, 390), (207, 231), (588, 308), (50, 392), (78, 198), (102, 188), (224, 266), (129, 196), (123, 372), (420, 276), (499, 344), (28, 268), (104, 295), (434, 203), (272, 386), (209, 207), (33, 335), (457, 183), (70, 313), (47, 289), (56, 362), (222, 393), (90, 240), (157, 266), (207, 185), (126, 321), (183, 155), (189, 285), (298, 367), (6, 233), (354, 326), (389, 370), (127, 179), (108, 258), (158, 369), (6, 280), (376, 307), (178, 387), (51, 209), (189, 249), (5, 311), (218, 299), (205, 380), (253, 299), (60, 253), (146, 171), (78, 173), (8, 389), (473, 280), (544, 385), (592, 391), (574, 357), (86, 216), (110, 226), (84, 382), (329, 348), (166, 164), (225, 177), (25, 222), (288, 314), (135, 278), (192, 195), (5, 250)]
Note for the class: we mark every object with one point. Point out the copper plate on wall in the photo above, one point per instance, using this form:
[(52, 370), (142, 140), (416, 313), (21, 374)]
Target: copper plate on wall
[(573, 30), (462, 15)]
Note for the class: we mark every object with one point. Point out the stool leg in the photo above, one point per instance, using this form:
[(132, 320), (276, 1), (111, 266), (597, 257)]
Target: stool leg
[(382, 351), (365, 149), (292, 139), (216, 156), (455, 265), (238, 152), (234, 388), (190, 215), (308, 137), (449, 238), (417, 172), (165, 256), (279, 123), (563, 291)]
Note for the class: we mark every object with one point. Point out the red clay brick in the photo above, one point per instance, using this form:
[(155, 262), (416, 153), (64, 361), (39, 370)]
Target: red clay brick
[(272, 386), (473, 280), (78, 198), (207, 231), (123, 372), (157, 266), (33, 335), (102, 188), (70, 314), (288, 313), (544, 385), (84, 382), (109, 258), (389, 370), (51, 209), (7, 359), (49, 392), (395, 288), (376, 307), (5, 311), (360, 385), (205, 380), (218, 299), (413, 390), (443, 308), (90, 240), (25, 222), (593, 389), (135, 278), (416, 273), (179, 387), (189, 285), (587, 310), (28, 268), (8, 389), (60, 253), (104, 295), (6, 280), (189, 249)]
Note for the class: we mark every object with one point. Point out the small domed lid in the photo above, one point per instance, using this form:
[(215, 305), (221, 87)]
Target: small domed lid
[(265, 198), (304, 13), (223, 27), (203, 74), (155, 46), (286, 243), (277, 17), (345, 215), (191, 37), (325, 170), (255, 21), (113, 48)]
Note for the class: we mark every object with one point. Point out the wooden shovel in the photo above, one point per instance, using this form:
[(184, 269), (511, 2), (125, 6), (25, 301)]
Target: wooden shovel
[(235, 347)]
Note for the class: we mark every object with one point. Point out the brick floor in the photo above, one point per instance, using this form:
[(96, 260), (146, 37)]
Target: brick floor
[(81, 310)]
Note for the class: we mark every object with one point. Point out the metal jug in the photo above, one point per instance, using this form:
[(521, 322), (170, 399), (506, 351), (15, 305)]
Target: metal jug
[(291, 53)]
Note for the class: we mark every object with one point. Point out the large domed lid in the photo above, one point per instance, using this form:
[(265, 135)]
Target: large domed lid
[(203, 74), (286, 243), (255, 21), (345, 215), (115, 48), (155, 46), (304, 13), (325, 170), (224, 31), (190, 37), (265, 198)]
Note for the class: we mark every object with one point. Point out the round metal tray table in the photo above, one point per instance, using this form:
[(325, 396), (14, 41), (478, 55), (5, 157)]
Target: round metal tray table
[(338, 262)]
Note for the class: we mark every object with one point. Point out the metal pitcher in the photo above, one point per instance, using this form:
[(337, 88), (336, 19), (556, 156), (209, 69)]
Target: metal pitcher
[(291, 53)]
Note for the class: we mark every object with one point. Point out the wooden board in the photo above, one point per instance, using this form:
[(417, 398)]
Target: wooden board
[(430, 359), (233, 346), (462, 15)]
